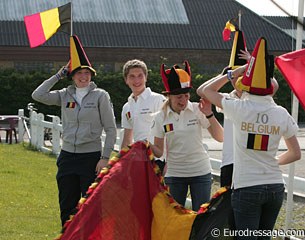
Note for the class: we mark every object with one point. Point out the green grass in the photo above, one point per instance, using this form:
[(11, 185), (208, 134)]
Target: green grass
[(28, 204)]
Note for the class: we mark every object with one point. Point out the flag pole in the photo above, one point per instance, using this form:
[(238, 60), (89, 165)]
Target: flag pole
[(239, 19), (294, 113), (71, 33)]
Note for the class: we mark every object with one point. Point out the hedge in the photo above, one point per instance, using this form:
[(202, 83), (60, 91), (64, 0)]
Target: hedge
[(16, 89)]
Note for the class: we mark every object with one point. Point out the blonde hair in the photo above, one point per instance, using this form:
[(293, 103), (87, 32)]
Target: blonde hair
[(135, 63), (164, 107)]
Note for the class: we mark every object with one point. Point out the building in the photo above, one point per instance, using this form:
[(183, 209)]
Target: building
[(114, 31)]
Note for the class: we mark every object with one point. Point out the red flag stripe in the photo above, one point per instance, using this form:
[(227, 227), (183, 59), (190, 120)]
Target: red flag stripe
[(35, 30)]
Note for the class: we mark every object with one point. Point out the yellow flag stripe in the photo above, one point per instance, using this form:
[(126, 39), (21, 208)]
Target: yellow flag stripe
[(50, 22), (168, 221), (257, 142)]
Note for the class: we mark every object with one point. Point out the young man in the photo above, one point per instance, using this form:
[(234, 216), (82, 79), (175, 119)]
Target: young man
[(138, 111), (142, 104)]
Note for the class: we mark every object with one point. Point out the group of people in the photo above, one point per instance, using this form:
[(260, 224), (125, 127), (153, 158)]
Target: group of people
[(173, 125)]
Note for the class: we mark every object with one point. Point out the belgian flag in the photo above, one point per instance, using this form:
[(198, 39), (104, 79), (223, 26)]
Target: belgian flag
[(71, 105), (41, 26), (258, 142), (168, 127)]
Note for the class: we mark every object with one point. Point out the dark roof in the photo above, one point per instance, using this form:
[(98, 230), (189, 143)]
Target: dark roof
[(285, 22), (115, 11), (206, 19)]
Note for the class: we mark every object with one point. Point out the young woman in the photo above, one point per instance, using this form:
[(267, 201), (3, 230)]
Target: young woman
[(180, 123), (86, 111), (258, 126)]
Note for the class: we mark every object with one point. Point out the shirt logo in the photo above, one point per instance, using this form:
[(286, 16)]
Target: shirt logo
[(128, 115), (258, 142), (145, 111), (168, 127), (71, 105)]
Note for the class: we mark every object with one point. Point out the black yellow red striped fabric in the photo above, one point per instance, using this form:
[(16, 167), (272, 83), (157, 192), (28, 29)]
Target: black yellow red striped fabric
[(41, 26), (78, 57), (71, 105), (257, 76), (239, 43), (168, 127), (129, 200), (258, 142)]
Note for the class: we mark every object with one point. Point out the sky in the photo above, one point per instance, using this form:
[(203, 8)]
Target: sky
[(267, 7)]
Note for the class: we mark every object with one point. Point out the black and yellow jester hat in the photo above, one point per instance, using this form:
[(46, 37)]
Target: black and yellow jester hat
[(259, 72), (78, 57), (176, 80), (239, 43)]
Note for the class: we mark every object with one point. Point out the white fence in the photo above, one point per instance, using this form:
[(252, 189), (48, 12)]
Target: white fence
[(39, 128), (37, 131)]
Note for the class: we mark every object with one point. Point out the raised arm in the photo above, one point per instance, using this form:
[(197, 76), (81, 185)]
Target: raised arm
[(43, 92), (218, 84), (210, 91)]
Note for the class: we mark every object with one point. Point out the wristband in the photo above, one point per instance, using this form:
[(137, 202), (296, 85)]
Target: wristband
[(209, 116), (103, 157), (230, 75), (57, 76), (64, 71)]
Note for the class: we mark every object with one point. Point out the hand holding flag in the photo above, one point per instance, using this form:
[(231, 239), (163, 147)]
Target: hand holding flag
[(41, 26)]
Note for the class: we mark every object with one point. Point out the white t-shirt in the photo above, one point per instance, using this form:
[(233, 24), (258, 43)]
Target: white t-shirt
[(138, 115), (185, 153), (258, 125), (227, 151), (80, 93)]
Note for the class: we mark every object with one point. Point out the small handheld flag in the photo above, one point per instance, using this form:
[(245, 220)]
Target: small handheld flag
[(230, 27), (41, 26)]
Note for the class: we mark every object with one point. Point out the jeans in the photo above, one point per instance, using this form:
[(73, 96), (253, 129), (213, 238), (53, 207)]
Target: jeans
[(226, 173), (200, 189), (257, 207), (76, 172)]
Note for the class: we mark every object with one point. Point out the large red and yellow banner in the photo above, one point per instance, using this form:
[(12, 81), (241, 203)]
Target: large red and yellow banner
[(129, 200)]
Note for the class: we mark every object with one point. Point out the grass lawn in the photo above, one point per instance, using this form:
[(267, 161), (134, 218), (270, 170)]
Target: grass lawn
[(28, 204)]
